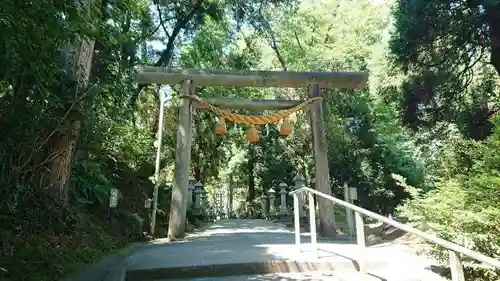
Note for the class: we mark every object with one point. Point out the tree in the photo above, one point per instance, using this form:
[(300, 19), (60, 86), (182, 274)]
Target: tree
[(443, 47), (79, 65)]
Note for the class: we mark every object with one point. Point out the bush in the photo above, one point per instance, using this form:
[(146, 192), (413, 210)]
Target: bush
[(48, 257), (464, 207)]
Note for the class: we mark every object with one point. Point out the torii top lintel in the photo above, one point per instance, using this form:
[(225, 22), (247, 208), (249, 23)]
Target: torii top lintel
[(247, 78)]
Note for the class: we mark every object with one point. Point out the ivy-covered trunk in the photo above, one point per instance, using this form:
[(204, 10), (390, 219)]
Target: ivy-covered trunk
[(64, 142)]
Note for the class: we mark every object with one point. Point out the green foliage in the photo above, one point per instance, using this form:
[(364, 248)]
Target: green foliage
[(450, 92), (57, 256), (420, 75), (463, 207), (115, 143), (93, 185), (450, 95), (443, 47), (41, 238)]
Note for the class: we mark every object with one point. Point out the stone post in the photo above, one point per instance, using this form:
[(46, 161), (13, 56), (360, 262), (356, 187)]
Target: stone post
[(283, 193), (272, 205), (220, 204), (350, 195), (229, 199), (198, 189), (204, 200), (313, 184), (299, 182), (263, 202), (190, 192)]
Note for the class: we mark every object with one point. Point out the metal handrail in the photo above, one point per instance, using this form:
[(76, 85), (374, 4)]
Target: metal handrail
[(454, 249)]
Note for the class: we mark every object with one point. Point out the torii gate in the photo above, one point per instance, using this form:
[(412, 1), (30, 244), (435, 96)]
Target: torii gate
[(189, 78)]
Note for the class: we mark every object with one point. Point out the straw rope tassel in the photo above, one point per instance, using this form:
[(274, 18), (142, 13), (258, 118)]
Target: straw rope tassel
[(256, 119)]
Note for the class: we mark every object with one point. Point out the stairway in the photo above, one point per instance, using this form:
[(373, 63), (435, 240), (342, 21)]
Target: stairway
[(263, 250)]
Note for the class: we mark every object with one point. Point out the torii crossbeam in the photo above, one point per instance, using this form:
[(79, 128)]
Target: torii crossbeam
[(247, 78)]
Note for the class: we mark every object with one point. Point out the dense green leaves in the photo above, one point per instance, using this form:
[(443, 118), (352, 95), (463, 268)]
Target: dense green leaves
[(448, 53), (429, 69), (446, 47), (463, 207)]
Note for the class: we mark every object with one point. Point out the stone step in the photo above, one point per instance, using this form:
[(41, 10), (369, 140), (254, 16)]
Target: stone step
[(284, 270), (307, 276), (296, 276), (263, 250), (235, 269)]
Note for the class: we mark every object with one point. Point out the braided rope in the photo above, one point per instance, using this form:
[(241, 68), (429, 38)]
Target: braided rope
[(254, 119)]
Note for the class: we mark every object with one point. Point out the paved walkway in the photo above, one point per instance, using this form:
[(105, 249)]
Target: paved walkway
[(250, 241)]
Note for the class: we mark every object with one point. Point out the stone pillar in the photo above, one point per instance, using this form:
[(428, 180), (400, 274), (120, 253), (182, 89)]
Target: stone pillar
[(229, 211), (198, 189), (350, 194), (263, 202), (272, 204), (299, 182), (220, 204), (313, 184), (283, 193), (190, 196), (204, 200)]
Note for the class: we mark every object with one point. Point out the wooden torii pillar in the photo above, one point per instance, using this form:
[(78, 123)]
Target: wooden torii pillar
[(189, 78)]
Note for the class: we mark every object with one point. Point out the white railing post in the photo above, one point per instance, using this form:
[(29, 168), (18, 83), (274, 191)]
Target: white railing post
[(455, 250), (360, 237), (312, 224), (296, 221), (457, 270)]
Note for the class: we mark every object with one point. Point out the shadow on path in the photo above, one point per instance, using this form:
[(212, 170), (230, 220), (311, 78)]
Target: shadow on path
[(242, 247)]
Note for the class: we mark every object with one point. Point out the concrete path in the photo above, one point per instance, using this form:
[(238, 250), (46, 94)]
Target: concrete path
[(230, 242)]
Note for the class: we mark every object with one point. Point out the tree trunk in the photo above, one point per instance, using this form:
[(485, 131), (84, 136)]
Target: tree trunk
[(494, 29), (65, 142), (60, 167)]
